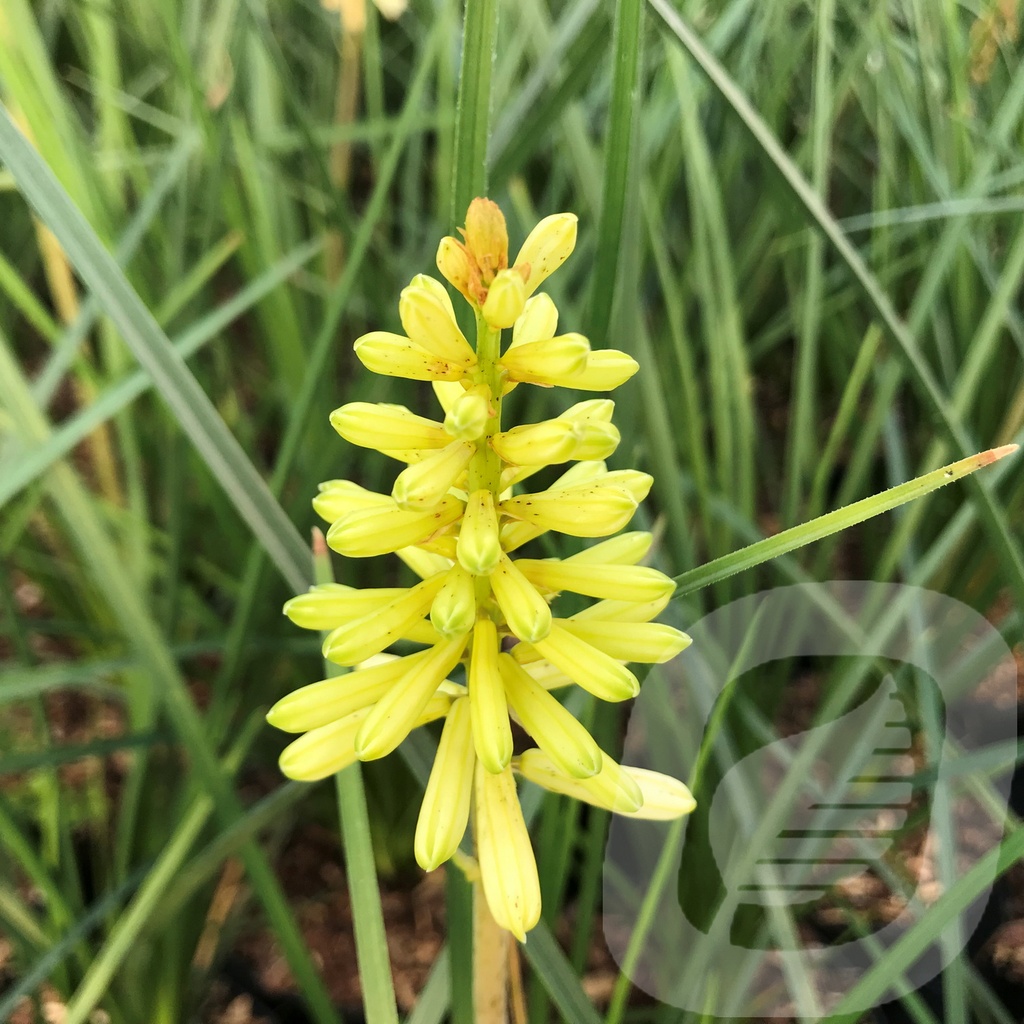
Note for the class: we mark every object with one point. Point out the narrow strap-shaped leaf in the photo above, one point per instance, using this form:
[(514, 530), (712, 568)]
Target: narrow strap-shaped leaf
[(832, 522), (154, 351)]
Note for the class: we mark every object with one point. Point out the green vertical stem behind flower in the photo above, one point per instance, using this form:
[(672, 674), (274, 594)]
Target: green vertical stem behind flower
[(360, 871)]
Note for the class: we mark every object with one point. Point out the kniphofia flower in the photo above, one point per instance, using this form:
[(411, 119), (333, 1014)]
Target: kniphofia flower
[(459, 511)]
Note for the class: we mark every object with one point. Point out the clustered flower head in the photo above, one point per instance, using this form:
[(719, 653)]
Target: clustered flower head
[(456, 515)]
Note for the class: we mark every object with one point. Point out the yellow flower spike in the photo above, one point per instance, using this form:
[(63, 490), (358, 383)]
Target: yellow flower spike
[(550, 363), (425, 483), (328, 605), (625, 549), (468, 414), (606, 369), (547, 247), (444, 813), (587, 511), (588, 667), (384, 427), (479, 547), (453, 517), (492, 734), (339, 497), (542, 444), (623, 611), (453, 612), (331, 748), (538, 321), (622, 582), (394, 716), (393, 355), (321, 703), (647, 642), (554, 729), (506, 298), (525, 611), (429, 320), (454, 263), (508, 868), (423, 563), (612, 788), (371, 633), (375, 531)]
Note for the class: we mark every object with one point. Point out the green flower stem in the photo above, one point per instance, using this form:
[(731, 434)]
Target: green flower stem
[(485, 469), (490, 961)]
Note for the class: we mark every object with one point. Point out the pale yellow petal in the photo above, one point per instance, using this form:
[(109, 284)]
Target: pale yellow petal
[(492, 734)]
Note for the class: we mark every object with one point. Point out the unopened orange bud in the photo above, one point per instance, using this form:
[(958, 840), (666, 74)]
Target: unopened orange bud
[(486, 238)]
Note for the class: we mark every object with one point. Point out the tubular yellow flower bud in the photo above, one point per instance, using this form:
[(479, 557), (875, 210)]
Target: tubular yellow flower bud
[(429, 320), (478, 546), (423, 563), (612, 788), (453, 612), (597, 441), (538, 444), (424, 484), (453, 262), (623, 611), (395, 356), (553, 362), (538, 322), (468, 414), (586, 511), (374, 531), (329, 749), (492, 733), (384, 427), (555, 730), (447, 392), (638, 484), (606, 369), (648, 642), (508, 868), (625, 549), (547, 675), (444, 813), (318, 704), (588, 667), (622, 582), (506, 298), (392, 718), (327, 605), (525, 611), (547, 247), (358, 638), (665, 798), (339, 497)]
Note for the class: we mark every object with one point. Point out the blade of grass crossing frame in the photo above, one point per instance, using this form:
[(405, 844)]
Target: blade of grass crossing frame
[(188, 402), (472, 119), (623, 123), (360, 872), (832, 522)]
